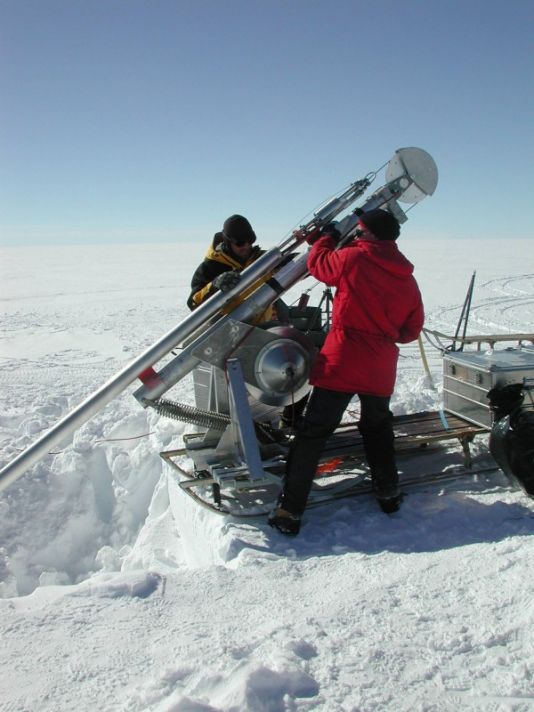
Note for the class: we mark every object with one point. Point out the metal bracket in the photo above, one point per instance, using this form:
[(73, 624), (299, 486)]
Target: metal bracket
[(242, 425)]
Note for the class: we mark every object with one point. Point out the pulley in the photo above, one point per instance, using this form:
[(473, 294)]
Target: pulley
[(281, 367)]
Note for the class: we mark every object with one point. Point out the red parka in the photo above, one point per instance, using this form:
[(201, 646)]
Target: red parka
[(377, 303)]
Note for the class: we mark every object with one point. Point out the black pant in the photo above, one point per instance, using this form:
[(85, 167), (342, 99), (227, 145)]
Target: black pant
[(323, 415)]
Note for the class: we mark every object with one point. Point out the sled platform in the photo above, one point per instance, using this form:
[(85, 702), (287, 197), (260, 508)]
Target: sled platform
[(339, 473), (414, 431)]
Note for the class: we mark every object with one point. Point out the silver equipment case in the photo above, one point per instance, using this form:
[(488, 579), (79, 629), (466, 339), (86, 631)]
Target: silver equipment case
[(468, 376)]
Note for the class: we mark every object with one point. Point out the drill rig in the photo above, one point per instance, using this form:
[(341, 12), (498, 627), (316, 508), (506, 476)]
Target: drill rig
[(246, 371)]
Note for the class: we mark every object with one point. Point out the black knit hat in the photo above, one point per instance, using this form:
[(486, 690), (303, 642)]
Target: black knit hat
[(238, 230), (383, 225)]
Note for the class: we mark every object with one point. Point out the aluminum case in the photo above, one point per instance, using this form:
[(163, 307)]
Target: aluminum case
[(468, 376)]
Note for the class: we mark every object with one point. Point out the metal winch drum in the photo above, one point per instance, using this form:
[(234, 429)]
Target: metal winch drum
[(279, 371)]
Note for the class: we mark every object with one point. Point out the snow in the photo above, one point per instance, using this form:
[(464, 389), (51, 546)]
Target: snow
[(119, 593)]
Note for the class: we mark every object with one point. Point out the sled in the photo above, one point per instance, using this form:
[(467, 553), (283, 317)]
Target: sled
[(341, 473)]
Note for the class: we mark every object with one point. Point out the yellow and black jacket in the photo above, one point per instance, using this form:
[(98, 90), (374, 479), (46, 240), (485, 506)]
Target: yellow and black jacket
[(216, 261)]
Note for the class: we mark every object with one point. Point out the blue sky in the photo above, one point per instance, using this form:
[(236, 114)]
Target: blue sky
[(152, 121)]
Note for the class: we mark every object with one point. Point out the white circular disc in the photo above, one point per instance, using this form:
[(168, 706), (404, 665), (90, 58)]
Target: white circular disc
[(419, 167)]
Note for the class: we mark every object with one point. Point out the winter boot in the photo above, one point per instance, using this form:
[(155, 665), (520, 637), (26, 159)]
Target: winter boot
[(284, 521), (390, 504)]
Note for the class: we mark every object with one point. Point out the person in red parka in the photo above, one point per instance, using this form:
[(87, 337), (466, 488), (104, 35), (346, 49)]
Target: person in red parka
[(377, 305)]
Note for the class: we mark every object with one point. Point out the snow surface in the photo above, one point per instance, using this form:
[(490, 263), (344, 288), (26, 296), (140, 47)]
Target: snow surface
[(119, 596)]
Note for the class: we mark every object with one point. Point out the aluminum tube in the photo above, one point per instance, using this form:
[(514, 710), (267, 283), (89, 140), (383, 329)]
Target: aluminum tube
[(117, 384)]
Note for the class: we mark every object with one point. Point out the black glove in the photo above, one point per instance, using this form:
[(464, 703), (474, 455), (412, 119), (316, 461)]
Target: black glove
[(331, 230), (311, 237), (226, 281)]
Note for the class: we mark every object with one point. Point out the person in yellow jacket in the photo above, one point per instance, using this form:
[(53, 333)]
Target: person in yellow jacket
[(230, 252)]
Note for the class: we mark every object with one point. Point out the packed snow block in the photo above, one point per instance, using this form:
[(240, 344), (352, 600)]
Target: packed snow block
[(468, 376)]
